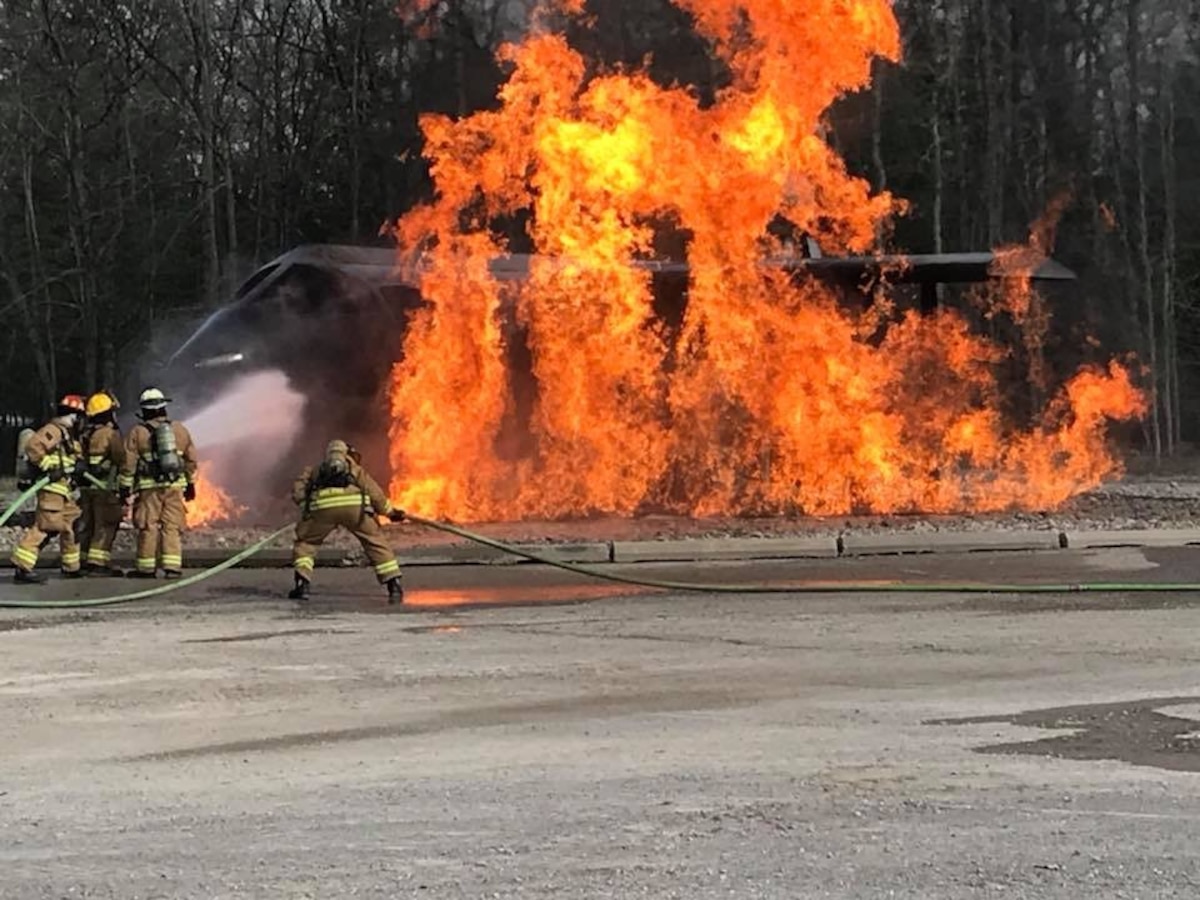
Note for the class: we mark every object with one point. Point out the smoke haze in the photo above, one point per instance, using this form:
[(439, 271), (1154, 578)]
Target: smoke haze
[(247, 430)]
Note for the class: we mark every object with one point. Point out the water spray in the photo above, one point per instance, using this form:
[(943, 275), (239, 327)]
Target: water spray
[(243, 434)]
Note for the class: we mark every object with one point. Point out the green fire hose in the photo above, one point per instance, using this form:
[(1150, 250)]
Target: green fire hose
[(841, 587), (20, 501), (844, 587)]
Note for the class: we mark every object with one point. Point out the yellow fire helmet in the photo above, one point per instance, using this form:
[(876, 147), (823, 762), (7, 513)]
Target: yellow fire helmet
[(98, 404)]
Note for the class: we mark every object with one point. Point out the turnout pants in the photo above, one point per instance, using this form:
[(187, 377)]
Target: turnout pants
[(314, 528), (158, 516), (102, 514), (55, 516)]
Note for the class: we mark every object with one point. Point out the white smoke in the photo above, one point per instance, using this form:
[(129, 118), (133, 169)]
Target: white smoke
[(243, 434)]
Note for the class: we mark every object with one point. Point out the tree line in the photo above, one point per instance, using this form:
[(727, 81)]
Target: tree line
[(154, 152)]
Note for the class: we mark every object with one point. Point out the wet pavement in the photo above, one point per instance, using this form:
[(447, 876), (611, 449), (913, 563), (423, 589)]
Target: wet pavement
[(1154, 732), (469, 586)]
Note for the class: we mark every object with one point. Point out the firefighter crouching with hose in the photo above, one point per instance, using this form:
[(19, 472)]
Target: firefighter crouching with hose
[(54, 451), (340, 493), (160, 470), (102, 508)]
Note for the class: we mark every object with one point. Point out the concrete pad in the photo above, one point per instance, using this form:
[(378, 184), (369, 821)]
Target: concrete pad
[(949, 542), (717, 549), (1147, 537)]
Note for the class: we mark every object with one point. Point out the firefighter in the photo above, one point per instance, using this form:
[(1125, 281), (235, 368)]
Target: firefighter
[(54, 451), (102, 506), (340, 493), (160, 470)]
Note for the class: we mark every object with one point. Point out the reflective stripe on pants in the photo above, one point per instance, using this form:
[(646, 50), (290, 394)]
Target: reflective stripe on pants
[(55, 515), (158, 516), (101, 519), (313, 529), (388, 570)]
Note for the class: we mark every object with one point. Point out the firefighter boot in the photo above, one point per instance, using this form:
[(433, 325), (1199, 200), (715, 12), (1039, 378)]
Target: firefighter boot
[(99, 570), (395, 592), (300, 591), (23, 577)]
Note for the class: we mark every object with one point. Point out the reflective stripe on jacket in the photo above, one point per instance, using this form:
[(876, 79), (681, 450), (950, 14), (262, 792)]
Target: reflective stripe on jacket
[(146, 481), (138, 468), (338, 498), (363, 491)]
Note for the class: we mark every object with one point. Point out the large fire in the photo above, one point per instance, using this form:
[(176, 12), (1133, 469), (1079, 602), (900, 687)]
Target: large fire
[(768, 398)]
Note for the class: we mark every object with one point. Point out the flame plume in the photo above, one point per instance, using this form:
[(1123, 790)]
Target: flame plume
[(213, 505), (766, 398)]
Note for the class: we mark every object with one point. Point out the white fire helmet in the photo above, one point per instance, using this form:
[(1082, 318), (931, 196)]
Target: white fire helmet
[(153, 398)]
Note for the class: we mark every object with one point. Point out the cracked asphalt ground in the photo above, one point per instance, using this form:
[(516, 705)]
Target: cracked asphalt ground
[(519, 732)]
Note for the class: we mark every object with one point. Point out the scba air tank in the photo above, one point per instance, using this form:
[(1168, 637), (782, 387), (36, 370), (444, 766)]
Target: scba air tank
[(166, 454), (25, 471), (335, 468)]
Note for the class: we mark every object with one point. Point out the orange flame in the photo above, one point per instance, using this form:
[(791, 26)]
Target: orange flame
[(766, 398), (212, 506)]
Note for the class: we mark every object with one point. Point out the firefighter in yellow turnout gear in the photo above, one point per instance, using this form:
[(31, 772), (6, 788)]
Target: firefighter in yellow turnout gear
[(160, 470), (55, 452), (339, 493), (102, 507)]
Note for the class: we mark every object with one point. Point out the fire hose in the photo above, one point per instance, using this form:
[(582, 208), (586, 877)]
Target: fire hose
[(841, 587), (20, 501), (837, 587)]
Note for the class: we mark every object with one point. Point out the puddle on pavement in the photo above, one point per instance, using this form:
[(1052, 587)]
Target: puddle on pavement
[(473, 598), (1141, 732)]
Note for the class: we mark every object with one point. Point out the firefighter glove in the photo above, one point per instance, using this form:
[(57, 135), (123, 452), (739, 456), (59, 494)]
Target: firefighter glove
[(397, 515), (124, 492), (81, 469), (189, 492)]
